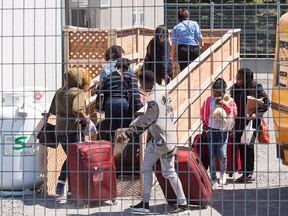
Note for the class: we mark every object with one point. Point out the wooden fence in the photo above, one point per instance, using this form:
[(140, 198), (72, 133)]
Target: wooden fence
[(193, 85)]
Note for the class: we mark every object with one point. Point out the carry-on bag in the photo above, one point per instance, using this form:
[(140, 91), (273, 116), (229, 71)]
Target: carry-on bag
[(201, 147), (126, 154), (193, 176), (92, 171), (233, 154)]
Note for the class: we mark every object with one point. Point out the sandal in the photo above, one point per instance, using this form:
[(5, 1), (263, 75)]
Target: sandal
[(245, 179), (242, 179)]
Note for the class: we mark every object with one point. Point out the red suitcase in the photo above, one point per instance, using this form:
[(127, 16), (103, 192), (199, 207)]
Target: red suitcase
[(233, 156), (92, 171), (201, 148), (194, 178)]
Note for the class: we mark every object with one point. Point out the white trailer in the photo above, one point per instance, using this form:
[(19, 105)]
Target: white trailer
[(30, 73), (113, 14)]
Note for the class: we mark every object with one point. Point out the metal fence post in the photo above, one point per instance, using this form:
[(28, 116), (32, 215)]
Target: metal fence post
[(212, 15)]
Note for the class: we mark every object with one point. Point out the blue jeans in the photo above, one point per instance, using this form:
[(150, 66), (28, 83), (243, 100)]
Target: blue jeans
[(117, 114), (217, 144)]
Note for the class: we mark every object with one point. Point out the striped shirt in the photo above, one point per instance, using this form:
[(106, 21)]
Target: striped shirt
[(114, 86)]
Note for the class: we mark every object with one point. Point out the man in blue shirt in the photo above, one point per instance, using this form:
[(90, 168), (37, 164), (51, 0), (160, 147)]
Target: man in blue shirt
[(187, 35)]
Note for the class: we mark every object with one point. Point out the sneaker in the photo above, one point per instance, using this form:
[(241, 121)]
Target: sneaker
[(60, 187), (141, 207), (69, 197), (179, 209), (214, 184), (222, 180), (250, 178)]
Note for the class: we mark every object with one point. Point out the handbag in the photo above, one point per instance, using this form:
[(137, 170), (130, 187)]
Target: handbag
[(248, 133), (120, 141), (46, 135), (263, 135)]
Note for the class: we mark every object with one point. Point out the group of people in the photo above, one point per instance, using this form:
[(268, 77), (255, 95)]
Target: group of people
[(236, 104), (123, 98), (186, 46)]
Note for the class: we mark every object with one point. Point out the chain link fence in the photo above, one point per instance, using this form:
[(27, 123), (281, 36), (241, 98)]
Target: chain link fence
[(40, 40), (256, 21)]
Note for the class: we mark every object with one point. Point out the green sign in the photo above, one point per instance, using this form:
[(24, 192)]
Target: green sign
[(20, 142), (19, 145)]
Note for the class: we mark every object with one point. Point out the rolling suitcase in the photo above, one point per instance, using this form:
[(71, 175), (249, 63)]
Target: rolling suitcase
[(92, 172), (233, 154), (201, 148), (194, 178)]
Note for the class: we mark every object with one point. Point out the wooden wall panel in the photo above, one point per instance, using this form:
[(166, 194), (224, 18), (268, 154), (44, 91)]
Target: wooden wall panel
[(220, 56), (181, 125), (222, 60), (127, 42)]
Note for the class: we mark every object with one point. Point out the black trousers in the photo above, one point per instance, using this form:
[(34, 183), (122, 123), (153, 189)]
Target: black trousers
[(187, 54), (66, 140), (246, 153)]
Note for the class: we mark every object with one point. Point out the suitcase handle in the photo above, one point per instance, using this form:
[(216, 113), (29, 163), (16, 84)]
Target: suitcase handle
[(80, 135)]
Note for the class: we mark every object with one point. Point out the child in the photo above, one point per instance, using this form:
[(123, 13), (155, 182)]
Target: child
[(216, 136), (161, 142)]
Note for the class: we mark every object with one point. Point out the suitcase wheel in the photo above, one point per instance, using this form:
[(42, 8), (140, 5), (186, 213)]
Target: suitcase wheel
[(114, 202), (204, 204)]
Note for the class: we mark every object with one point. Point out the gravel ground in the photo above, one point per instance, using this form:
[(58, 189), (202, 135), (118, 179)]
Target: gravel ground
[(268, 195)]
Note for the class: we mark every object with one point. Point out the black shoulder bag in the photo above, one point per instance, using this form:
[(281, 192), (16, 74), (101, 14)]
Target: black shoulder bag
[(46, 135)]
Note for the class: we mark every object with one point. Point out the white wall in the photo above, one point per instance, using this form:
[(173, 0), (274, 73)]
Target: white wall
[(30, 47), (120, 14)]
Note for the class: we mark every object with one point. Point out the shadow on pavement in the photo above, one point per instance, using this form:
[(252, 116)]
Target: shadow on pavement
[(273, 201), (55, 202)]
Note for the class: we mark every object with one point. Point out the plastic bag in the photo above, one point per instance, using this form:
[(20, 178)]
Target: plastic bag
[(90, 128), (248, 133)]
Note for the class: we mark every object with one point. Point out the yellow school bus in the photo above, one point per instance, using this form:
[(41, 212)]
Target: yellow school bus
[(279, 102)]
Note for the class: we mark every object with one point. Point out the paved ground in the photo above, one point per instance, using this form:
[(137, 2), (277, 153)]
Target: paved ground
[(267, 196)]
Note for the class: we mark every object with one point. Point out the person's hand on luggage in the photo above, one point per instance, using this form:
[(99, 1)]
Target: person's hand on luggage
[(127, 134), (91, 128), (85, 120)]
